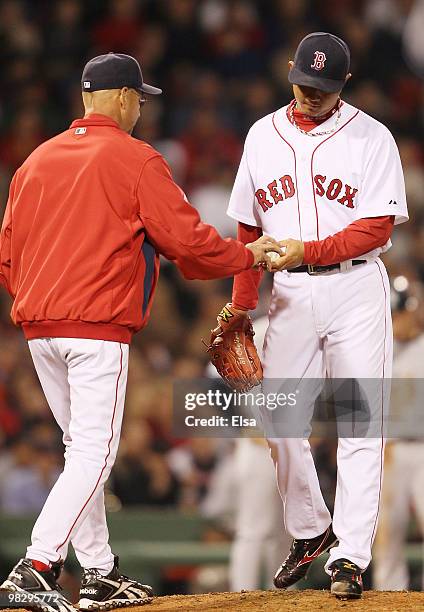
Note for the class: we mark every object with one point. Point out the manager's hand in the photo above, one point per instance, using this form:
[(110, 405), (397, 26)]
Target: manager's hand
[(261, 247)]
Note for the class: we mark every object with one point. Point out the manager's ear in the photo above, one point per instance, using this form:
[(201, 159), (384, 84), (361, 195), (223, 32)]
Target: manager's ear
[(291, 64), (348, 76), (123, 97)]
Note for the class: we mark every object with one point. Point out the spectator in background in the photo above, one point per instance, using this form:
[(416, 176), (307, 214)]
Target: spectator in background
[(412, 161), (209, 147), (184, 40), (26, 134), (211, 200), (66, 39), (259, 101), (34, 468), (193, 464), (236, 45), (19, 34), (412, 38), (10, 422), (120, 29), (141, 475)]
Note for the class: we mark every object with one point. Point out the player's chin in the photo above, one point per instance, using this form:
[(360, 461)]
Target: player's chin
[(314, 110)]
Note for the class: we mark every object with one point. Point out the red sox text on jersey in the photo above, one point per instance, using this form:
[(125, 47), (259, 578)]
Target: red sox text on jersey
[(283, 188)]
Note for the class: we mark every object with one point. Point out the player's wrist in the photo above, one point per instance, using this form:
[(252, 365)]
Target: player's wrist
[(309, 257), (302, 251), (238, 308)]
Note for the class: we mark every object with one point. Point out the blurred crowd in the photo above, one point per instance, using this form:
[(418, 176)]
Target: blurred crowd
[(222, 64)]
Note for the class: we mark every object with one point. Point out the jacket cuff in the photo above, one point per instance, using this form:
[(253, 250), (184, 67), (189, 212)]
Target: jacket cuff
[(251, 259)]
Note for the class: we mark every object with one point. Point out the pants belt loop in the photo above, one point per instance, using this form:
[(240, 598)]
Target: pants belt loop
[(345, 266)]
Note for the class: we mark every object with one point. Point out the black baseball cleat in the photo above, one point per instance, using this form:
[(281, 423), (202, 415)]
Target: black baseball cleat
[(300, 557), (346, 579), (36, 589), (112, 591)]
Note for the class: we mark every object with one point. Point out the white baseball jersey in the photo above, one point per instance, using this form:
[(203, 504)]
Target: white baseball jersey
[(308, 188)]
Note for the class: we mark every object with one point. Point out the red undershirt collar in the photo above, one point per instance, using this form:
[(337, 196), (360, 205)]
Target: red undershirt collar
[(306, 122), (94, 119)]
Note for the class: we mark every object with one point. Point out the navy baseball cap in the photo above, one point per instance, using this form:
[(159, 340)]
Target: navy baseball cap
[(114, 71), (322, 60)]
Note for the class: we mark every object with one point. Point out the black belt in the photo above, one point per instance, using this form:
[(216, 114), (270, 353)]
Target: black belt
[(322, 269)]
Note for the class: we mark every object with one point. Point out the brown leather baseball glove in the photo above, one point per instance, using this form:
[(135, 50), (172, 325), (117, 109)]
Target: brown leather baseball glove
[(233, 351)]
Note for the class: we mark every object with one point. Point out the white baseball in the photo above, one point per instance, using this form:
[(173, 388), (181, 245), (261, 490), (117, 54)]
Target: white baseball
[(273, 255)]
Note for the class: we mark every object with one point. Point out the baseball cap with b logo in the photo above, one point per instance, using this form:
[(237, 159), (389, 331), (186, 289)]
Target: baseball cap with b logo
[(114, 71), (322, 60)]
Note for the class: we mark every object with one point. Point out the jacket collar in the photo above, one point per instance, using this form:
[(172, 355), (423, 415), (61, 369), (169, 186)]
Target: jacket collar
[(94, 119)]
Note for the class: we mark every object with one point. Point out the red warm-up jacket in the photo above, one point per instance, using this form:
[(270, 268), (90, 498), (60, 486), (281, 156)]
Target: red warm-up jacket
[(88, 214)]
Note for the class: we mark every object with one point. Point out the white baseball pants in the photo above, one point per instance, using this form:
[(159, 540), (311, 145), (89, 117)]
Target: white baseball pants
[(336, 325), (260, 538), (84, 382), (403, 488)]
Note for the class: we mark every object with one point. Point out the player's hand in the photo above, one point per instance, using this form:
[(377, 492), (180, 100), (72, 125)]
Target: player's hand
[(261, 247), (293, 256)]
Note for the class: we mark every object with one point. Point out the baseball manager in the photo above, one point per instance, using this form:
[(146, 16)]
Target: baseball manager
[(88, 214)]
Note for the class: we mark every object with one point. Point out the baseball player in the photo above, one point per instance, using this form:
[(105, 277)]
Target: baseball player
[(258, 538), (324, 179), (88, 214), (404, 459)]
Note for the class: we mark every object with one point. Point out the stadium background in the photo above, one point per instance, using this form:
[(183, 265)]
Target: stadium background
[(222, 65)]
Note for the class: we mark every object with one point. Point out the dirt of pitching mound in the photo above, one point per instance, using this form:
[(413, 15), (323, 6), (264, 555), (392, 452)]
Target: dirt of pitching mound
[(283, 601)]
